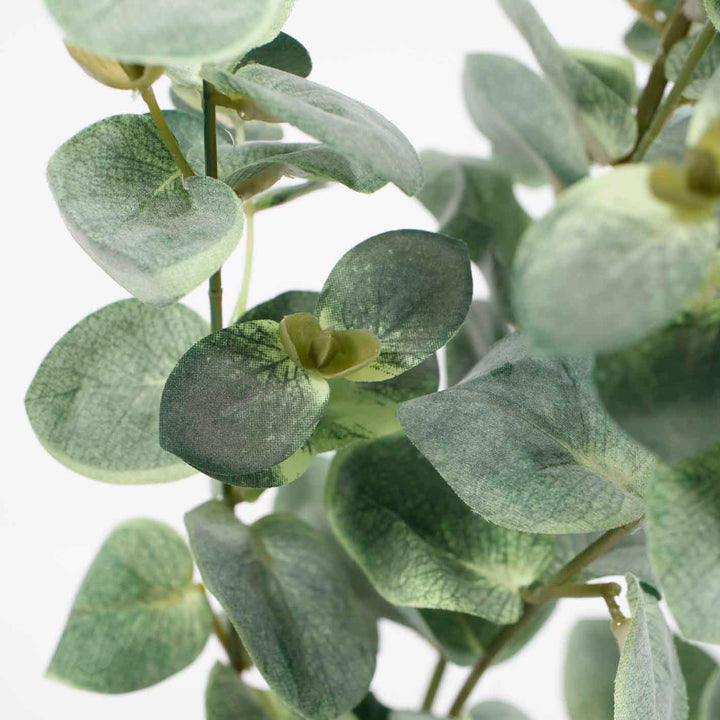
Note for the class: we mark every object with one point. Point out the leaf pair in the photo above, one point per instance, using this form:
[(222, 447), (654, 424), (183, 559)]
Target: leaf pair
[(237, 405)]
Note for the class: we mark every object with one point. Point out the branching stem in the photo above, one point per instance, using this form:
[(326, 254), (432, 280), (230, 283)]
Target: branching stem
[(434, 685)]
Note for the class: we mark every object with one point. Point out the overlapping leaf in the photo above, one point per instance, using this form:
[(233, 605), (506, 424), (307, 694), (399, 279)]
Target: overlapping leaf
[(126, 204), (643, 41), (616, 71), (524, 441), (283, 52), (138, 617), (698, 669), (95, 400), (286, 592), (706, 68), (609, 264)]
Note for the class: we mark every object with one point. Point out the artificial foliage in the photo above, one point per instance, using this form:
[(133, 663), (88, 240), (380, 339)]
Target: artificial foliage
[(572, 449)]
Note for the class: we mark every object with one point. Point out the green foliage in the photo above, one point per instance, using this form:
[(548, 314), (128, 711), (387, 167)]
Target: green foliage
[(495, 710), (138, 617), (283, 52), (705, 69), (615, 71), (643, 41), (286, 592), (698, 670)]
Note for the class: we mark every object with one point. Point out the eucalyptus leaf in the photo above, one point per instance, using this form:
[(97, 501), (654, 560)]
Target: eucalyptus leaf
[(395, 285), (710, 704), (286, 592), (95, 399), (684, 533), (496, 710), (285, 194), (649, 684), (584, 285), (665, 390), (606, 115), (530, 128), (127, 205), (698, 670), (670, 144), (283, 52), (138, 617), (643, 41), (427, 549), (706, 68), (236, 405), (346, 126), (473, 200), (524, 441), (616, 71), (707, 111), (591, 661), (170, 31)]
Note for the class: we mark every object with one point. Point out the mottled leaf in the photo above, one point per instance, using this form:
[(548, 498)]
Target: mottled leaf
[(530, 128), (95, 400), (125, 202), (524, 441), (609, 264), (138, 617), (286, 592)]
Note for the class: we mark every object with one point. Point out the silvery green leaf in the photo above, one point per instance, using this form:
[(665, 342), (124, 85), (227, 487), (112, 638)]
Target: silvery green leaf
[(495, 710), (138, 617), (286, 591), (396, 286), (684, 534), (707, 111), (698, 670), (616, 71), (283, 52), (713, 11), (95, 399), (665, 390), (167, 32), (649, 684), (706, 68), (670, 144), (426, 548), (591, 661), (285, 194), (257, 130), (524, 441), (473, 200), (480, 331), (287, 303), (643, 41), (710, 703), (236, 404), (531, 130), (609, 264), (125, 202), (607, 117), (346, 126)]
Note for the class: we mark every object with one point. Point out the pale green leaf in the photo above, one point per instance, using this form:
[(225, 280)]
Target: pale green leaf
[(670, 144), (495, 710), (616, 71), (684, 533), (138, 617), (95, 400), (286, 591), (427, 548), (524, 441), (643, 41), (706, 68), (126, 204), (346, 126), (710, 703), (607, 117), (236, 404), (609, 264), (530, 128), (170, 31), (395, 285), (649, 683), (698, 670)]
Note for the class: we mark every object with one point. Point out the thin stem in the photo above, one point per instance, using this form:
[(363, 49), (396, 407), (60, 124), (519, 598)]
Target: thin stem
[(221, 633), (704, 38), (165, 132), (575, 590), (434, 685), (568, 572), (242, 301)]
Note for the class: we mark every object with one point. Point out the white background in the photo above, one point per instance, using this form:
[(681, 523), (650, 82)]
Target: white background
[(402, 57)]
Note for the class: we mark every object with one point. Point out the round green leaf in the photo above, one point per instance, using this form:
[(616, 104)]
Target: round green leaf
[(283, 52), (138, 617), (607, 117), (643, 41), (616, 71), (427, 549), (125, 202), (473, 200), (705, 69), (684, 533), (698, 670), (346, 126), (531, 130), (524, 441), (395, 285), (94, 402), (287, 593), (170, 31), (237, 404), (665, 390), (609, 264), (495, 710)]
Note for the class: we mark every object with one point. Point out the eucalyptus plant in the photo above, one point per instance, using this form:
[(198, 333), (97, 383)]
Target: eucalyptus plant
[(573, 451)]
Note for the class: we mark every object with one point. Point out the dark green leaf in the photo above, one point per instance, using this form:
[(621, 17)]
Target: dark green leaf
[(286, 592), (138, 617), (283, 52)]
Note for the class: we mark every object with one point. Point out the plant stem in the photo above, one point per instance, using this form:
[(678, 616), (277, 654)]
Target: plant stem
[(569, 571), (704, 38), (434, 685), (165, 133), (576, 590), (241, 305)]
